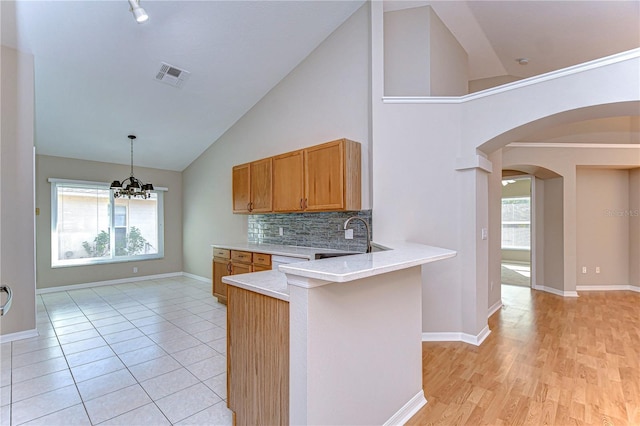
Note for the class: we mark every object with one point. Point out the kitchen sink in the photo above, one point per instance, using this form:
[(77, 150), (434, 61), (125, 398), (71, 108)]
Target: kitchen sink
[(330, 255)]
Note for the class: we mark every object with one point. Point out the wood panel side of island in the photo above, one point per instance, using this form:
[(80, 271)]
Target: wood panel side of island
[(257, 358)]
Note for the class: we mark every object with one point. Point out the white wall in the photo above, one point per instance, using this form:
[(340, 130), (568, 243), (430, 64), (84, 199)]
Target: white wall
[(425, 149), (325, 98), (448, 61), (421, 56), (406, 52), (68, 168), (17, 263)]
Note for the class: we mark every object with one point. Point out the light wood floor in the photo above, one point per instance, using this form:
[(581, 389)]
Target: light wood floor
[(548, 361)]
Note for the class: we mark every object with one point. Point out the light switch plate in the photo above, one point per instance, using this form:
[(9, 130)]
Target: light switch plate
[(348, 234)]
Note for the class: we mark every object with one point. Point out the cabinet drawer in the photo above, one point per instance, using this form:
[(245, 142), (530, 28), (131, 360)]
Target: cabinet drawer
[(222, 253), (261, 259), (241, 256)]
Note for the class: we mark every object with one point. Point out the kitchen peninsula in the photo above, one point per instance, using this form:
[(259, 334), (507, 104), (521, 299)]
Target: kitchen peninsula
[(331, 341)]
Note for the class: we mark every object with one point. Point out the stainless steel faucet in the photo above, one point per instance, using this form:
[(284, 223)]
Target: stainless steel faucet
[(366, 225)]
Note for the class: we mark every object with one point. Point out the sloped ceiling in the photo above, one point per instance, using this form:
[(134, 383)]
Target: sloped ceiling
[(95, 67), (95, 70)]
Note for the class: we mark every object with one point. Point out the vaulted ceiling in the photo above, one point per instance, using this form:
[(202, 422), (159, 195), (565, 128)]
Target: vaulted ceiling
[(96, 68)]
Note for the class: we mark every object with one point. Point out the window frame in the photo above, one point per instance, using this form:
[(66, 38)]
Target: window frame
[(515, 222), (65, 263)]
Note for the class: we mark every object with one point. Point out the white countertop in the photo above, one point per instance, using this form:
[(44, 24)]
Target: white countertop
[(402, 255), (307, 253), (270, 283), (348, 268)]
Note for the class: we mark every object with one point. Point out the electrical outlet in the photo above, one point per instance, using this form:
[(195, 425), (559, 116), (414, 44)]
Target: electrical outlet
[(348, 234), (484, 234), (597, 269), (584, 269), (281, 231), (135, 269)]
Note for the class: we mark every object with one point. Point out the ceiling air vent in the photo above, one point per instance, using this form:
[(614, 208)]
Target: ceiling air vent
[(171, 75)]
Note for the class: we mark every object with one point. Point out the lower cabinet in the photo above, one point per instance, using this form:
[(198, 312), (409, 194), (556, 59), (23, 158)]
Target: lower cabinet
[(233, 262), (257, 358)]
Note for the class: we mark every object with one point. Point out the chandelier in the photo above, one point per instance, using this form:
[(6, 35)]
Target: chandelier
[(134, 188)]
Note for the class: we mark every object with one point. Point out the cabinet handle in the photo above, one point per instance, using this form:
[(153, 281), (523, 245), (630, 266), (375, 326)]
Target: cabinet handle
[(229, 267), (305, 204), (301, 205), (249, 206)]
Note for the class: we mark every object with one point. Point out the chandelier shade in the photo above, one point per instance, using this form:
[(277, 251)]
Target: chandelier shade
[(131, 187)]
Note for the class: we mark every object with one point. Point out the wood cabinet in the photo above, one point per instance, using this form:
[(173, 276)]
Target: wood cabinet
[(257, 358), (252, 190), (332, 176), (288, 182), (233, 262), (221, 266), (324, 177)]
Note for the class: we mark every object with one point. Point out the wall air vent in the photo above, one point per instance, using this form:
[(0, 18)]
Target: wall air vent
[(171, 75)]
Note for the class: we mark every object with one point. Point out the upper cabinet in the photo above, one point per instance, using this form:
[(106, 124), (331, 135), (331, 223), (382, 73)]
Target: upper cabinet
[(332, 176), (324, 177), (288, 182), (252, 192)]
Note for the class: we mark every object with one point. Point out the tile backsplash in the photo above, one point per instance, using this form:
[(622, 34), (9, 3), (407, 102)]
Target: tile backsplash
[(323, 230)]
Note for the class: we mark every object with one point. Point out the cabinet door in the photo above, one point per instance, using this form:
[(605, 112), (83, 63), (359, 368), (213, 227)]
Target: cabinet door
[(241, 189), (324, 176), (261, 194), (257, 358), (288, 182), (221, 268), (259, 268), (240, 268)]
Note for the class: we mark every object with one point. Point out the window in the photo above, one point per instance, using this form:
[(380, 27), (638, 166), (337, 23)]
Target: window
[(89, 225), (516, 223)]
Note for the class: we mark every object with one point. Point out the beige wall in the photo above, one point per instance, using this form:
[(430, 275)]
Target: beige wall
[(495, 222), (552, 228), (68, 168), (325, 98), (17, 268), (565, 161), (421, 56), (603, 235), (634, 227), (487, 83)]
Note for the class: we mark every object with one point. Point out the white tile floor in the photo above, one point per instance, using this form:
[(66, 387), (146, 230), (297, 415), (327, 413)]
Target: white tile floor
[(142, 353)]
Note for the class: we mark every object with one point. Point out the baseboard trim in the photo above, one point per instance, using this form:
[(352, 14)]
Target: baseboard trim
[(107, 282), (196, 277), (408, 410), (556, 291), (6, 338), (494, 308), (457, 337), (622, 287)]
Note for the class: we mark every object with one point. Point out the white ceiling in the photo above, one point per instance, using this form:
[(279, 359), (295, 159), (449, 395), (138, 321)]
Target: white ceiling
[(95, 66)]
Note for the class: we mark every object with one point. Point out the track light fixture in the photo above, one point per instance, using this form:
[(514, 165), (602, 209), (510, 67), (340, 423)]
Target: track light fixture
[(139, 13)]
